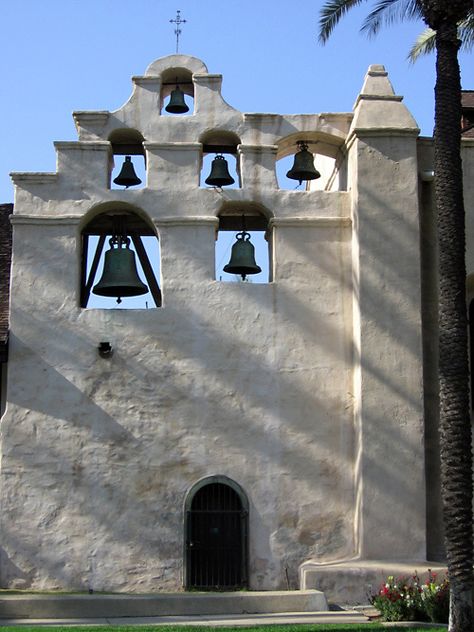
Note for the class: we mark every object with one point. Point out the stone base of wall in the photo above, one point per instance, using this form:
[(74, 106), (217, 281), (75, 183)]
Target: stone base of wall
[(176, 604), (354, 581)]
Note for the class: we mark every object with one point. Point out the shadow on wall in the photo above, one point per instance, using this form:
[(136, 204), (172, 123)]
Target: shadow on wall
[(165, 427)]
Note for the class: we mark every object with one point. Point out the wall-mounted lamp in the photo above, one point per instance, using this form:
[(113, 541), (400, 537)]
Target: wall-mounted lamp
[(427, 176), (105, 349)]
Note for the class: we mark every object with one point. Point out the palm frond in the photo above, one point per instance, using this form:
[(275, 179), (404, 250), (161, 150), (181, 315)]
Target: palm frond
[(466, 32), (426, 41), (386, 12), (330, 14)]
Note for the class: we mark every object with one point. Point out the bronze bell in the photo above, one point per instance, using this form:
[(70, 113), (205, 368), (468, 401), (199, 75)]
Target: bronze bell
[(303, 165), (127, 176), (177, 104), (120, 275), (242, 258), (219, 176)]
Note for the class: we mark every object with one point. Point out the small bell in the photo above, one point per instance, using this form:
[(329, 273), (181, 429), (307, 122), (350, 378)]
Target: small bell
[(242, 258), (120, 275), (303, 165), (127, 176), (177, 104), (219, 176)]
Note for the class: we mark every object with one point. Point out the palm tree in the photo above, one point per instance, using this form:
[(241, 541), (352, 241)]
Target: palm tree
[(443, 17), (426, 41)]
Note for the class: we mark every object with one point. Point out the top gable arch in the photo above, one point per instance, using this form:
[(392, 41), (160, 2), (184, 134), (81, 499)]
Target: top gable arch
[(185, 62)]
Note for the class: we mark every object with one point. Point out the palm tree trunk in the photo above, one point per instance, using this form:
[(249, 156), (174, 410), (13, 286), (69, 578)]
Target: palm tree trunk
[(455, 425)]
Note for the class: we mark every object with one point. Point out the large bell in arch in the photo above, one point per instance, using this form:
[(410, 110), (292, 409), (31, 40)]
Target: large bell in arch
[(242, 258), (303, 165), (177, 104), (120, 275), (219, 176), (127, 176)]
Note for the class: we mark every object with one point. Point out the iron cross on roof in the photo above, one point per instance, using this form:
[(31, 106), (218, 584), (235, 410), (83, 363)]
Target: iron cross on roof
[(178, 21)]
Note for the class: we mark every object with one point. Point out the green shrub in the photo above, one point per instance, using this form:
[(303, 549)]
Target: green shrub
[(435, 598), (400, 599), (408, 599)]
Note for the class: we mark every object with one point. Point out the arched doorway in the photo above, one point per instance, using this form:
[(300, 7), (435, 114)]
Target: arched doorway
[(216, 514)]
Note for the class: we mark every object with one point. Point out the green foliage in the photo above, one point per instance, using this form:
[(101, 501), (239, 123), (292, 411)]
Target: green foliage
[(399, 599), (435, 598), (386, 13), (330, 14), (408, 599), (425, 42)]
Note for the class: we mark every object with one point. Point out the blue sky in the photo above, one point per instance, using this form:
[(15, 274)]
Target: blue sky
[(60, 56)]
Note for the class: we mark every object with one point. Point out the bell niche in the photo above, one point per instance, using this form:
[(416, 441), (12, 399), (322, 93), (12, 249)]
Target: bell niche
[(243, 245), (307, 164), (120, 262), (220, 165), (128, 166), (177, 92)]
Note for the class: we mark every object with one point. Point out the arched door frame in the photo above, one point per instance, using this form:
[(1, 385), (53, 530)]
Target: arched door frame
[(224, 480)]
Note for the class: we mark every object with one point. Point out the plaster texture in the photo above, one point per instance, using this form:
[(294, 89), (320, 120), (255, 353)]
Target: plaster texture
[(354, 581), (306, 391)]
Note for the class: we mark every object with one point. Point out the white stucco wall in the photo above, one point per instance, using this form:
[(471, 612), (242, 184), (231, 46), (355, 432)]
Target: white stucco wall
[(306, 391)]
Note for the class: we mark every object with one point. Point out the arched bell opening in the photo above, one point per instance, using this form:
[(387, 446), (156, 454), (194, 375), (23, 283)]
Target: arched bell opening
[(177, 92), (216, 514), (120, 261), (243, 244), (128, 160), (220, 162), (311, 163)]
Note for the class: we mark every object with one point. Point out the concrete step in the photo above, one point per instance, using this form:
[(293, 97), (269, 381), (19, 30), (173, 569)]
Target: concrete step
[(233, 620), (353, 582), (69, 606)]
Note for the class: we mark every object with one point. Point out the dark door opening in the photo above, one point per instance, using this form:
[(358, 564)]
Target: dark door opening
[(216, 543)]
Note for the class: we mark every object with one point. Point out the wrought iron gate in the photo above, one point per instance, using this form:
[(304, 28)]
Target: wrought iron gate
[(216, 541)]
